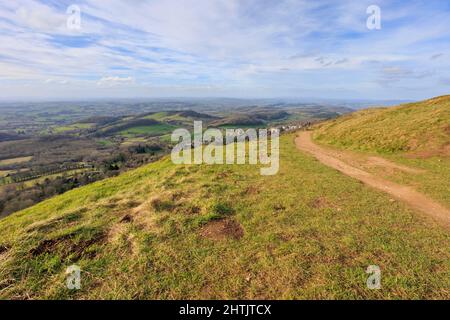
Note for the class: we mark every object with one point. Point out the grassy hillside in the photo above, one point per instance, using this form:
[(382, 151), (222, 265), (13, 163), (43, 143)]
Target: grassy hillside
[(415, 134), (165, 231), (422, 128)]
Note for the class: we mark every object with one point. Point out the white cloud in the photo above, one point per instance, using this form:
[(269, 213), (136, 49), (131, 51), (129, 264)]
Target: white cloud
[(114, 81), (223, 43)]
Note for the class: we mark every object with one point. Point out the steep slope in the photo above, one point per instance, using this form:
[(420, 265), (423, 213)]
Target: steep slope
[(166, 231), (421, 128)]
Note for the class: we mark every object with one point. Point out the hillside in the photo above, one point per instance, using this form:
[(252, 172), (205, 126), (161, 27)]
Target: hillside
[(165, 232), (416, 135), (150, 124), (421, 129)]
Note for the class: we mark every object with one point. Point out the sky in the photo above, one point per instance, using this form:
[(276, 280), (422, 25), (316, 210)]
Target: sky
[(57, 49)]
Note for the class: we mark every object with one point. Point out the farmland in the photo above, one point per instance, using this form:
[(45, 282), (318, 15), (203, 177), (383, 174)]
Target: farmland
[(44, 143)]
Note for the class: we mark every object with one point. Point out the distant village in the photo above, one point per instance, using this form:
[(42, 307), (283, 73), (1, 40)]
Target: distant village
[(246, 135)]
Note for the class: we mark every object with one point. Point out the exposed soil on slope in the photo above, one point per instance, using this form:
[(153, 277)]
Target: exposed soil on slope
[(222, 229)]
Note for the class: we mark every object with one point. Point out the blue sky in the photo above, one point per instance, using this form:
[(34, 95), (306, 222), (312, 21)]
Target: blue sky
[(224, 48)]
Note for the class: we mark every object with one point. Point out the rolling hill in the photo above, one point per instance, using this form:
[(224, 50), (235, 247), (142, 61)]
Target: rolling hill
[(421, 128), (167, 231), (154, 123), (415, 134)]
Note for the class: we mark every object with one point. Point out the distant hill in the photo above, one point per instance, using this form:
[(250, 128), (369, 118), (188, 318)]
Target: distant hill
[(256, 117), (10, 136), (149, 124), (421, 128)]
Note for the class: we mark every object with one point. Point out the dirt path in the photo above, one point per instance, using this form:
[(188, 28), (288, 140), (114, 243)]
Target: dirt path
[(413, 198)]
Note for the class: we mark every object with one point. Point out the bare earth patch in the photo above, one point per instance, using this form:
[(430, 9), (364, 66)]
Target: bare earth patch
[(222, 230), (126, 219), (4, 249), (66, 246)]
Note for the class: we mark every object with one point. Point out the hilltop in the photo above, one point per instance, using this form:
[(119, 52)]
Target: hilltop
[(416, 135), (420, 129)]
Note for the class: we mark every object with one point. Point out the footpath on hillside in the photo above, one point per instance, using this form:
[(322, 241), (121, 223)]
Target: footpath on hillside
[(338, 161)]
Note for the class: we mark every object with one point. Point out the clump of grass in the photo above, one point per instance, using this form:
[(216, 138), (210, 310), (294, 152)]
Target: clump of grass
[(190, 209), (160, 204), (222, 209), (219, 210), (202, 220)]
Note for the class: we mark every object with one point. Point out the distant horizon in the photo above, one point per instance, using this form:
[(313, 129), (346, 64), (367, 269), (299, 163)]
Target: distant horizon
[(206, 98)]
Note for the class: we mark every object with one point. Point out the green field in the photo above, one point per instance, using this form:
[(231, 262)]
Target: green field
[(73, 127), (165, 116), (239, 126), (105, 142), (166, 232)]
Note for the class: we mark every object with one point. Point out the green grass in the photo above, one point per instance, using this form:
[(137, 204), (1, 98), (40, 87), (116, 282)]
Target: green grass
[(159, 116), (73, 127), (166, 117), (154, 130), (67, 174), (411, 127), (241, 126), (105, 142), (309, 233), (416, 135)]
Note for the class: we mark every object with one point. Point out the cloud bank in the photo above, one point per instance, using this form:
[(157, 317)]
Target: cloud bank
[(288, 48)]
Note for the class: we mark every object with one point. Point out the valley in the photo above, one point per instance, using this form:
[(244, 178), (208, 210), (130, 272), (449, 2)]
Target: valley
[(79, 143), (167, 231)]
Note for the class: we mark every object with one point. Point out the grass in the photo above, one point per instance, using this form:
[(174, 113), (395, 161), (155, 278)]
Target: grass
[(416, 135), (105, 142), (154, 130), (73, 127), (67, 174), (171, 117), (7, 162), (4, 173), (31, 183), (415, 127), (164, 116), (241, 126), (309, 233)]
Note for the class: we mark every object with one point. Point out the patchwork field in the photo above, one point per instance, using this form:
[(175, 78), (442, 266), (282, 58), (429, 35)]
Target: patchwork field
[(154, 130), (7, 162)]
